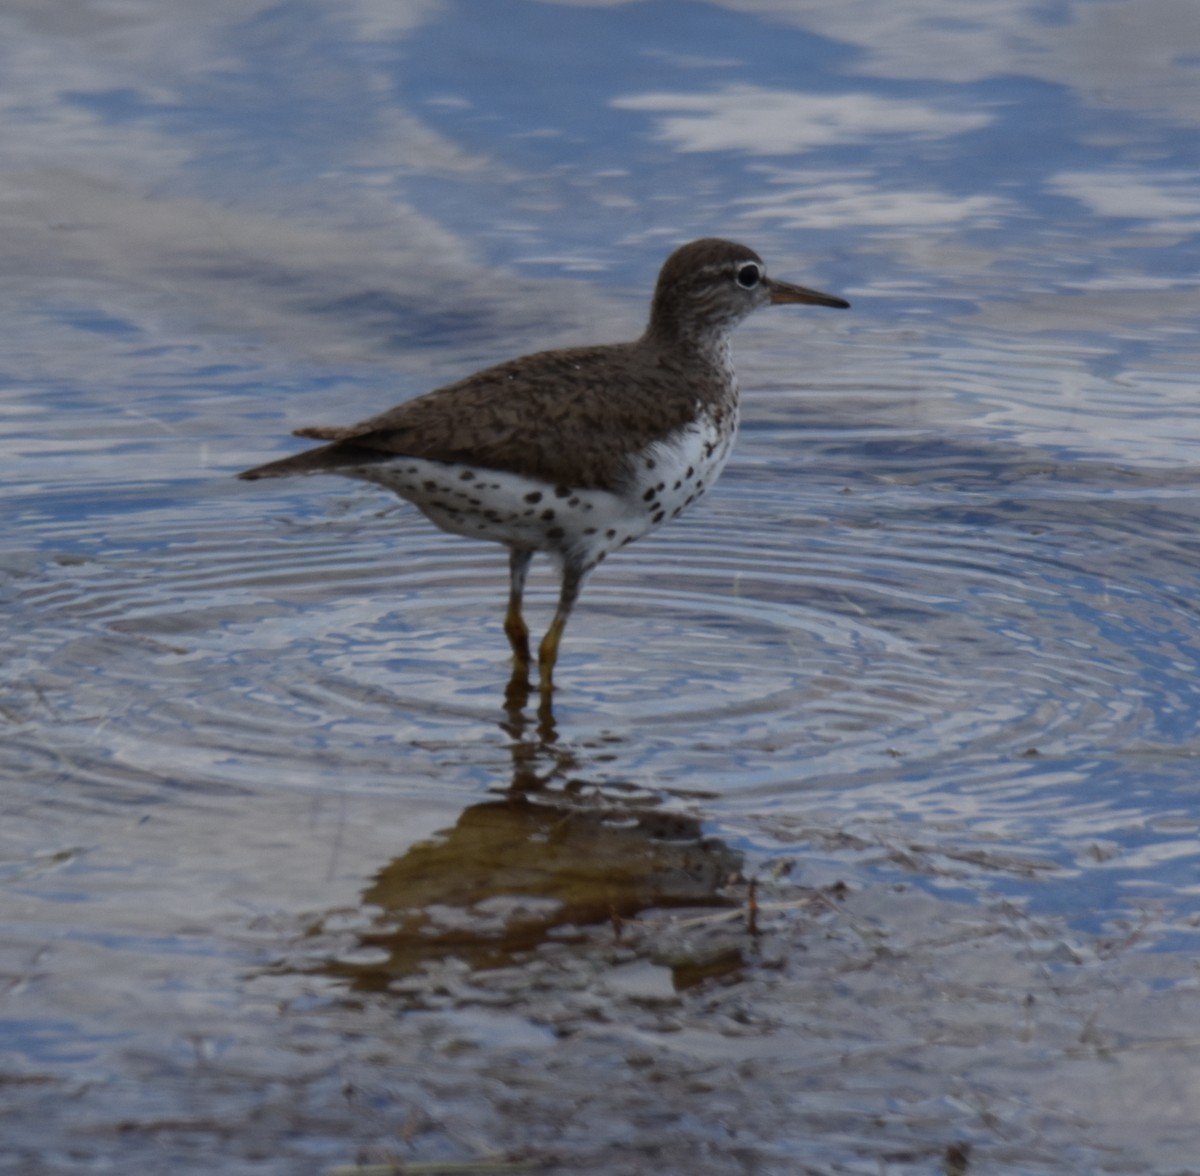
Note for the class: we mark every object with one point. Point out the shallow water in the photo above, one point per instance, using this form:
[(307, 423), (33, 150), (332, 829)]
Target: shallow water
[(288, 887)]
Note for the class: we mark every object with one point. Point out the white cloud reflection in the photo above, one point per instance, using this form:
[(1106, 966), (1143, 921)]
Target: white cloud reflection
[(798, 200), (127, 177), (1114, 53), (786, 122), (1168, 201)]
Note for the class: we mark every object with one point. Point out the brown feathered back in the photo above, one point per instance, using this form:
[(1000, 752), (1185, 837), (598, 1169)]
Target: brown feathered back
[(564, 416)]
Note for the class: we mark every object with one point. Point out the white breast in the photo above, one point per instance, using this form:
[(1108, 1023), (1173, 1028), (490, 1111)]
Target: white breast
[(672, 474)]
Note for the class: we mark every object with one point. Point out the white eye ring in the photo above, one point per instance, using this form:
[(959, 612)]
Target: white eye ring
[(748, 276)]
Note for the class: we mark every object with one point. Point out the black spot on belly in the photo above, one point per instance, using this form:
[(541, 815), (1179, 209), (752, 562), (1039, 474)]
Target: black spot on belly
[(649, 494), (658, 517), (610, 534), (676, 512), (555, 533), (573, 502), (562, 491), (677, 484), (474, 502), (536, 496), (429, 485), (467, 476), (650, 463), (548, 516), (589, 530), (690, 471)]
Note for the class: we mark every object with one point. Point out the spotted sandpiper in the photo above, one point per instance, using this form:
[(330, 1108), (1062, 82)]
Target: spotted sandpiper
[(572, 452)]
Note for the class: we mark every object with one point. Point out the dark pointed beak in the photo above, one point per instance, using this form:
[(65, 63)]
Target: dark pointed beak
[(786, 292)]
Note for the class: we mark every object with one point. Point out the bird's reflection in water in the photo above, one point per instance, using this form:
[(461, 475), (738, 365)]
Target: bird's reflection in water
[(555, 851), (527, 750)]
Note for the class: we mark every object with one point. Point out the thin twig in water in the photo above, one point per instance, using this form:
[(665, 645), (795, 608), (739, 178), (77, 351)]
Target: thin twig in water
[(436, 1168)]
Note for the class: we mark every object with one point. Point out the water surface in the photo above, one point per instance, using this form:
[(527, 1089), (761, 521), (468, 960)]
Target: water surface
[(287, 886)]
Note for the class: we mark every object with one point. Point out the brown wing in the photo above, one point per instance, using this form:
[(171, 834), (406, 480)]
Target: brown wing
[(568, 417)]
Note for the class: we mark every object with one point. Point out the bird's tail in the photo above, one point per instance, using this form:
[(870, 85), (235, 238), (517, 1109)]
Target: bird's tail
[(327, 459), (327, 432)]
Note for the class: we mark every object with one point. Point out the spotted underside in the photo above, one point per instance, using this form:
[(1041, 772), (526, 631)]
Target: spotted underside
[(576, 526)]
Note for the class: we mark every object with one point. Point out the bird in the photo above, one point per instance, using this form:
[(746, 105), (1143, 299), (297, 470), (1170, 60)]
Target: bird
[(573, 452)]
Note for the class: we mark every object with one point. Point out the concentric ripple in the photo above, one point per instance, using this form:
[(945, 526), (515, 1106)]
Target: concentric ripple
[(918, 612)]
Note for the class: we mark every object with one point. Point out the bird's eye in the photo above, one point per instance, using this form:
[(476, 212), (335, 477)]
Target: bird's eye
[(749, 276)]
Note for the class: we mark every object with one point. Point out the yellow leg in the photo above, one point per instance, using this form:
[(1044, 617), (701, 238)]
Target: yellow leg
[(518, 637), (514, 623), (548, 654), (572, 582)]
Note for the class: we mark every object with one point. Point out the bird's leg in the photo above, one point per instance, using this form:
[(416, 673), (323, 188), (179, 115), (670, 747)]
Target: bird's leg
[(572, 582), (519, 559)]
